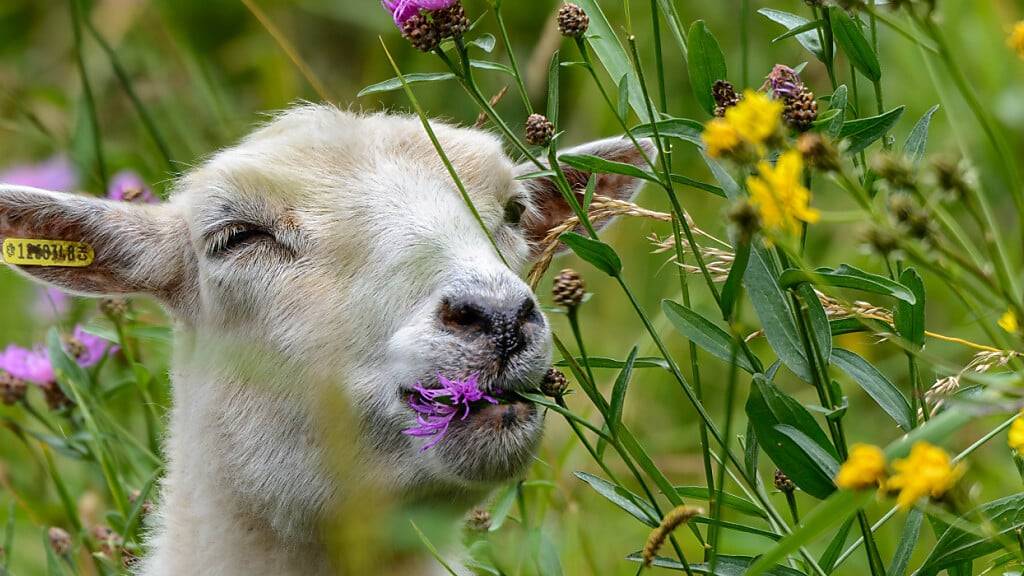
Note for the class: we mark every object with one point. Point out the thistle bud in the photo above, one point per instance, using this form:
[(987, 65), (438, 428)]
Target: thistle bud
[(60, 540), (783, 483), (56, 400), (745, 219), (801, 109), (114, 307), (725, 97), (12, 390), (818, 152), (881, 240), (572, 21), (422, 32), (451, 21), (951, 176), (896, 170), (479, 520), (554, 383), (568, 288), (539, 130)]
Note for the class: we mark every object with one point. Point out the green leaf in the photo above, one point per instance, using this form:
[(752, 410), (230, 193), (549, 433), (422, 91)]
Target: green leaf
[(772, 308), (849, 36), (823, 461), (808, 40), (488, 65), (704, 333), (682, 128), (632, 504), (878, 386), (724, 566), (767, 408), (819, 325), (706, 64), (687, 181), (484, 42), (734, 282), (623, 102), (602, 362), (958, 545), (838, 103), (811, 26), (863, 132), (909, 318), (589, 163), (846, 276), (751, 451), (597, 253), (612, 55), (502, 507), (52, 562), (588, 194), (835, 547), (731, 501), (644, 461), (547, 561), (553, 88), (908, 540), (619, 390), (396, 83), (917, 140)]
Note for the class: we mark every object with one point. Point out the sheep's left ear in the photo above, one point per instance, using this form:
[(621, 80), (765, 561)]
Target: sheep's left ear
[(551, 209)]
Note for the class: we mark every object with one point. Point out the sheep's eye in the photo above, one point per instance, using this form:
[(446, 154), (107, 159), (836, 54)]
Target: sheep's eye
[(235, 236), (514, 212)]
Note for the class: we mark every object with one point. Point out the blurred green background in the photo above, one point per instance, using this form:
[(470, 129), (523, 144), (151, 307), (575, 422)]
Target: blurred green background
[(209, 71)]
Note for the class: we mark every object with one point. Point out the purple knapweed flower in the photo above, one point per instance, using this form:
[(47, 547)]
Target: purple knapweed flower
[(29, 365), (436, 407), (127, 186), (88, 349), (402, 10), (57, 173), (784, 82), (51, 303)]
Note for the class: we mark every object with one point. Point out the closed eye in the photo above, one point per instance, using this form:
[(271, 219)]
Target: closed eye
[(234, 237)]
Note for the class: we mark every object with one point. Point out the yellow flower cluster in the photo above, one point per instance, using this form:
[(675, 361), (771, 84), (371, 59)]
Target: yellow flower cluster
[(926, 471), (779, 195), (864, 468), (1016, 439), (1016, 40), (1008, 321), (753, 122)]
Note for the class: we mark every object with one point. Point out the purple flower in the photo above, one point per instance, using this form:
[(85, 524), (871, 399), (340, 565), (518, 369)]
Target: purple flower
[(436, 407), (402, 10), (127, 186), (29, 365), (51, 303), (88, 349), (57, 173), (784, 81)]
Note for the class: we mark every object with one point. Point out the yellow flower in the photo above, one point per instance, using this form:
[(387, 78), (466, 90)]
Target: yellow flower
[(863, 469), (780, 198), (1016, 39), (927, 471), (1016, 440), (720, 138), (1008, 321), (757, 118)]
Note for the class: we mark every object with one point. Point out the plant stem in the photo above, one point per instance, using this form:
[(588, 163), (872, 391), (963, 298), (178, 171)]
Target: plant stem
[(90, 102), (503, 32)]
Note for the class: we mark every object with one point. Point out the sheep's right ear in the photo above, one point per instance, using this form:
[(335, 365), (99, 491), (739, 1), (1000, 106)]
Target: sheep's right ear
[(136, 249)]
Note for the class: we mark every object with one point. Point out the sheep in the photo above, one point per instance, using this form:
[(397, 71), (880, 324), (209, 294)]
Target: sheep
[(314, 272)]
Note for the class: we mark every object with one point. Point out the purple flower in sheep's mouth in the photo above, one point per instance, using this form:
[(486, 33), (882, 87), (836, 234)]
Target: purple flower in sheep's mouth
[(436, 408)]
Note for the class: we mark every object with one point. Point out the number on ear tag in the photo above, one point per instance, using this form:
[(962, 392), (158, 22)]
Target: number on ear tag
[(36, 252)]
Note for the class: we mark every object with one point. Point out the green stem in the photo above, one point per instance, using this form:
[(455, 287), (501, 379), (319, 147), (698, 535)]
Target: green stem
[(90, 102), (503, 32)]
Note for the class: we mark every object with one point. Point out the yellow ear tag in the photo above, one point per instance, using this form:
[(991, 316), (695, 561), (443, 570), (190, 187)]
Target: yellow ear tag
[(34, 252)]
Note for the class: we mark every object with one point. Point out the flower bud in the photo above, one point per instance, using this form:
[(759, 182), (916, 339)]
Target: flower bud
[(568, 288), (783, 483), (60, 540), (539, 130), (422, 32), (572, 21), (818, 152), (12, 390), (554, 383), (479, 520)]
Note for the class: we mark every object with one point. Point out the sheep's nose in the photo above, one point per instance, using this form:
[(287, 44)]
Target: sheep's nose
[(506, 322)]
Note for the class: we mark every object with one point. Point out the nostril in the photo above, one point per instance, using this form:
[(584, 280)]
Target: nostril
[(528, 311), (462, 315)]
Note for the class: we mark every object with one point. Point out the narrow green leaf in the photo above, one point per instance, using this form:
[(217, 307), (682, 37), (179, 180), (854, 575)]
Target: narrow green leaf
[(838, 103), (772, 308), (820, 329), (644, 461), (396, 83), (600, 165), (877, 385), (687, 181), (488, 65), (751, 451), (706, 64), (619, 390), (682, 128), (553, 88), (597, 253), (823, 461), (768, 407), (602, 362), (917, 140), (808, 40), (484, 42), (1002, 518), (809, 27), (909, 318), (502, 507), (846, 276), (612, 55), (704, 333), (835, 548), (849, 36), (629, 502), (863, 132), (724, 566), (908, 540), (731, 501), (547, 563), (52, 562), (588, 195), (734, 282), (623, 102)]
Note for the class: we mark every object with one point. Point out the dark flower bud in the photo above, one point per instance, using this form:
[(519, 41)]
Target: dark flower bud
[(568, 288), (572, 21), (725, 97), (801, 109), (951, 176), (56, 400), (783, 483), (896, 170), (114, 307), (422, 32), (882, 240), (479, 520), (451, 21), (818, 152), (554, 383), (745, 219), (12, 390), (60, 540), (539, 130)]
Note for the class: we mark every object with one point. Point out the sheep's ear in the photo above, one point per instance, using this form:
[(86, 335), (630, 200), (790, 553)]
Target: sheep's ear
[(551, 209), (135, 249)]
